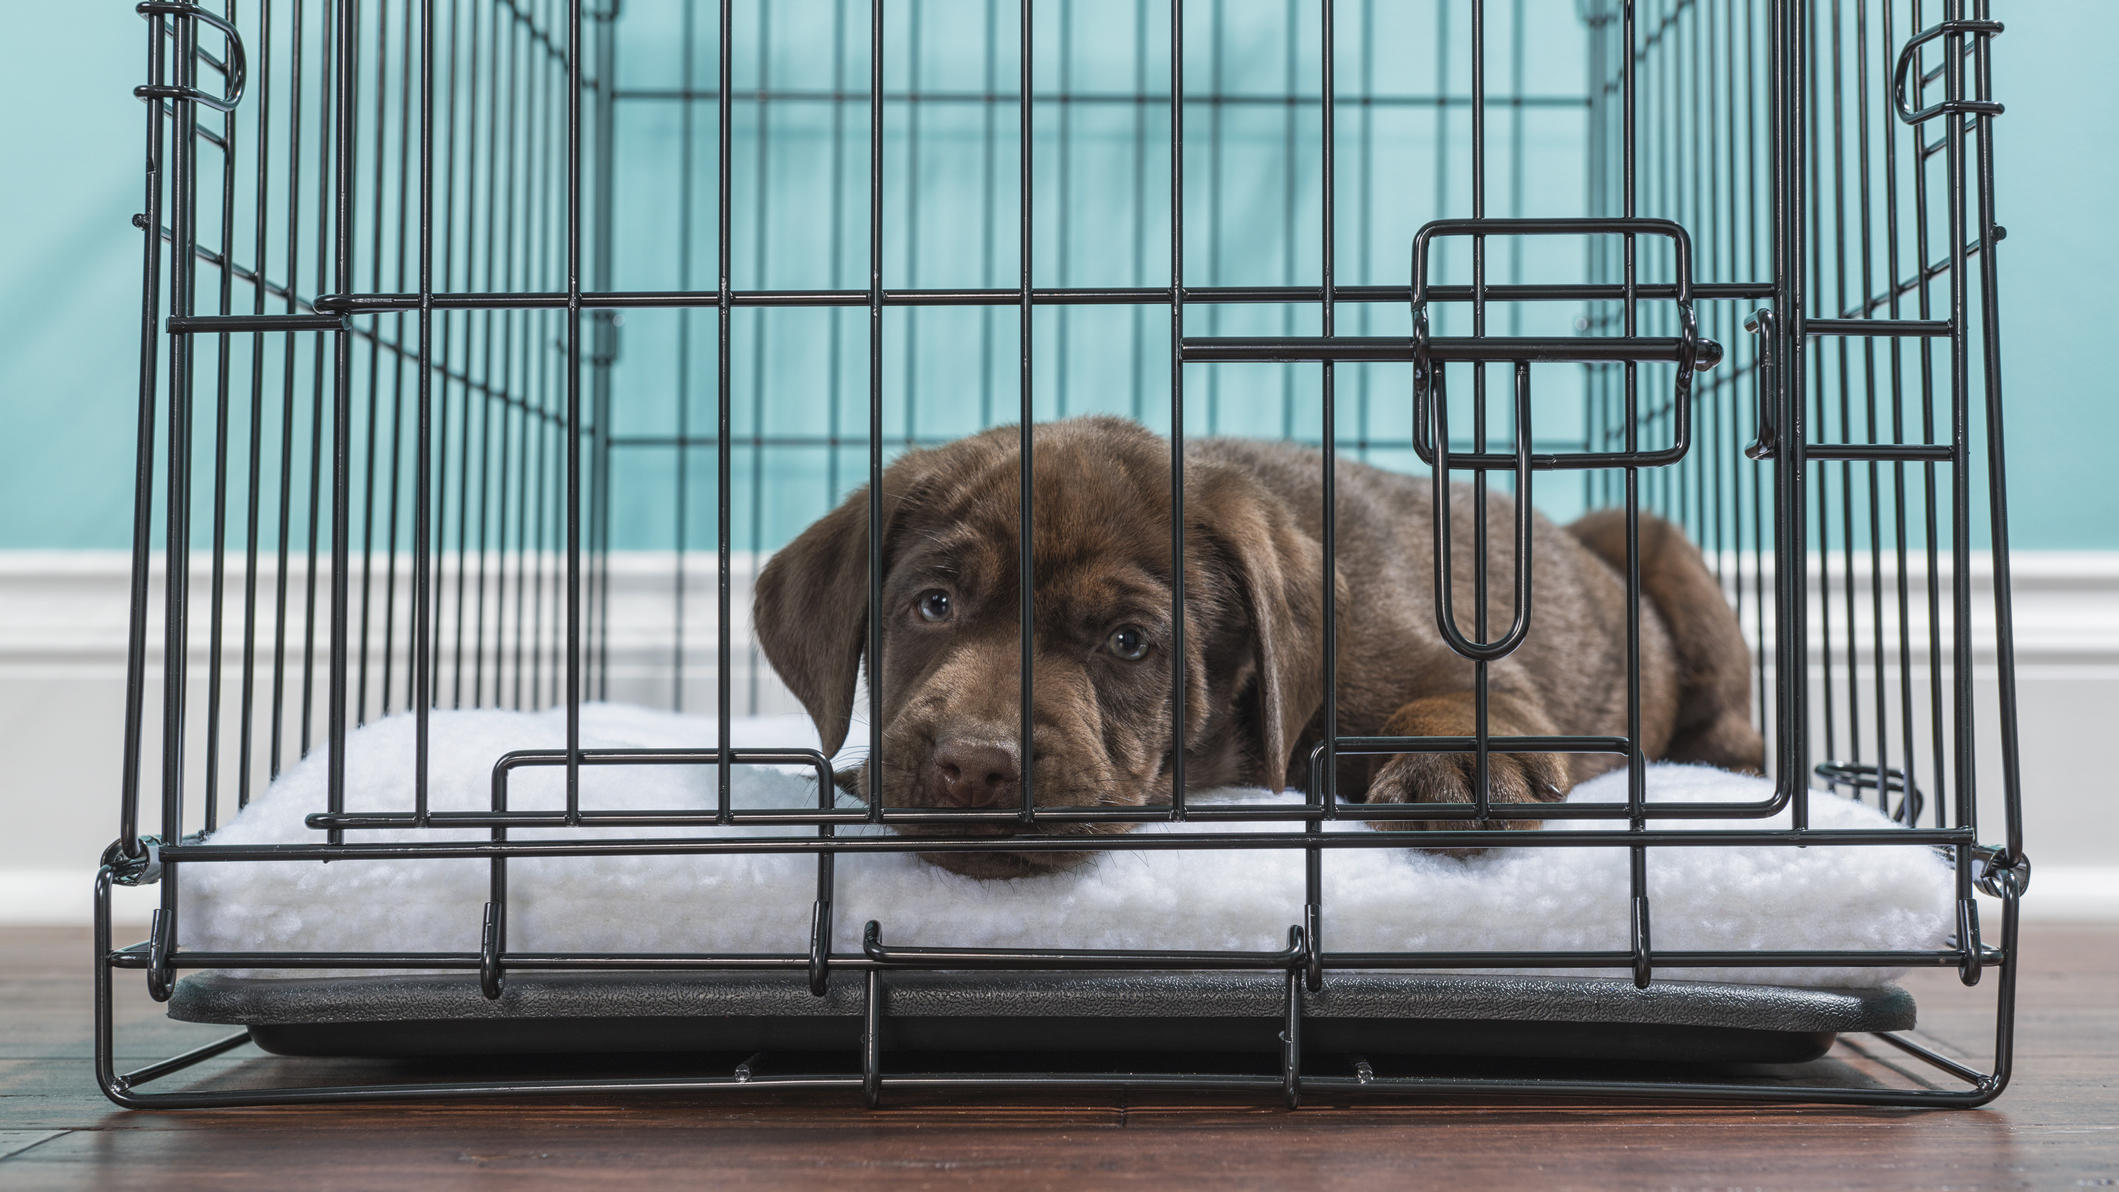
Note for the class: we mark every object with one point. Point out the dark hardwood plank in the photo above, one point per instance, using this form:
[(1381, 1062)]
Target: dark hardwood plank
[(2058, 1125), (14, 1142)]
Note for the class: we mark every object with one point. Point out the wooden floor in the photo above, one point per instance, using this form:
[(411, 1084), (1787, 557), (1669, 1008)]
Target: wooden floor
[(2056, 1127)]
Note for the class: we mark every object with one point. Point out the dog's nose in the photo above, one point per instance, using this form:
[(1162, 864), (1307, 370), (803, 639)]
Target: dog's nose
[(972, 773)]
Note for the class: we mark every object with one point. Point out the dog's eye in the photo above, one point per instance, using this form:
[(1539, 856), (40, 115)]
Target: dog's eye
[(933, 605), (1128, 642)]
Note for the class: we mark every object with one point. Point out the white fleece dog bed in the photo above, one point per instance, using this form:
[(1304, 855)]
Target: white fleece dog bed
[(1376, 899)]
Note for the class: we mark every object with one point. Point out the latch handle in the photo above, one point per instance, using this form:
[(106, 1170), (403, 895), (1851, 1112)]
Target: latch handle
[(1911, 54), (236, 69)]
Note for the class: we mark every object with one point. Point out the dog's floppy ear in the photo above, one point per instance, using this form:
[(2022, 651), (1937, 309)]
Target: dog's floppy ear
[(811, 603), (1278, 571)]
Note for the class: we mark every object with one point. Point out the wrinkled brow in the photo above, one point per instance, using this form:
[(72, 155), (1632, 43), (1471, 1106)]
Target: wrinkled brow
[(955, 553), (1090, 598), (1135, 591)]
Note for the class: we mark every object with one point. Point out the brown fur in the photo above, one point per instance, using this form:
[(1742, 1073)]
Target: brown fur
[(1253, 574)]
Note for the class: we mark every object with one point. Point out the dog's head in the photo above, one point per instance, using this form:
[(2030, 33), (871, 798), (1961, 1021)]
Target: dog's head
[(1101, 675)]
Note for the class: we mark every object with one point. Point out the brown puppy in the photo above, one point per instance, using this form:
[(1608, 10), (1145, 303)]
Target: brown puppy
[(1101, 680)]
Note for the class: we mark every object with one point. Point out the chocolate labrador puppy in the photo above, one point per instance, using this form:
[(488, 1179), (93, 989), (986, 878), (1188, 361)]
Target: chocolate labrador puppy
[(1254, 587)]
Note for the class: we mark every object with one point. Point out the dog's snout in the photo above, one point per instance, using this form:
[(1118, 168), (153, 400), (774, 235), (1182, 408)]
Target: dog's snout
[(974, 773)]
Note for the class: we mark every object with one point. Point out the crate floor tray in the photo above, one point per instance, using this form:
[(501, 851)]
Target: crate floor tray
[(1368, 1013)]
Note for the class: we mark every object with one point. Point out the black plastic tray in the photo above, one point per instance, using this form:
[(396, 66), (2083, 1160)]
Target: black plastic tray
[(1369, 1013)]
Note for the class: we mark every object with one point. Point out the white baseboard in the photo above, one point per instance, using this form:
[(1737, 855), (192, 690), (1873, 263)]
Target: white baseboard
[(65, 897), (62, 691), (2072, 894)]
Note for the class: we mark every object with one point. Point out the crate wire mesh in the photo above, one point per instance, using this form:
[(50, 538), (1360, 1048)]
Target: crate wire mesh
[(1753, 283)]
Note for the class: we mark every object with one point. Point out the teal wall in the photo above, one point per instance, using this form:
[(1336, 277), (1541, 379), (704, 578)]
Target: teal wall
[(69, 259), (70, 276)]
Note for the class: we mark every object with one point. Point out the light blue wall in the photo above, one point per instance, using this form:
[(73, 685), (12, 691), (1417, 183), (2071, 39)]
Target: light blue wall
[(69, 275), (69, 259), (2059, 198)]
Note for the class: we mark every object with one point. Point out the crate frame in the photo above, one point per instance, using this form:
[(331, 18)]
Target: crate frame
[(1789, 358)]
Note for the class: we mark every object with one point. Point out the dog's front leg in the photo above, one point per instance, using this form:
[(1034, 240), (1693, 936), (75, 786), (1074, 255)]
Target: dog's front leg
[(1452, 777)]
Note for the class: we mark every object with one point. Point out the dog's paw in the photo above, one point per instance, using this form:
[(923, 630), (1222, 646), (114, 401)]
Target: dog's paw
[(1452, 778)]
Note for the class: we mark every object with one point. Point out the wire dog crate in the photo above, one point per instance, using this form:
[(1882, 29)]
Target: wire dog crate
[(527, 397)]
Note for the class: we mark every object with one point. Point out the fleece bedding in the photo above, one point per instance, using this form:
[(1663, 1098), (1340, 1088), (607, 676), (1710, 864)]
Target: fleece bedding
[(1376, 899)]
